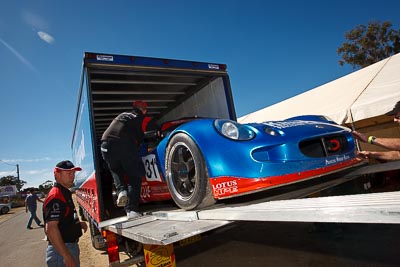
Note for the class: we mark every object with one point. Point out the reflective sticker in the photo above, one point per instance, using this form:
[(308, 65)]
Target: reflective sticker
[(104, 58), (213, 66), (150, 168), (190, 240)]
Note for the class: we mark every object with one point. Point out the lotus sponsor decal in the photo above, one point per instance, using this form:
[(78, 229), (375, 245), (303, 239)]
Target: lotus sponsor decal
[(289, 124), (225, 188)]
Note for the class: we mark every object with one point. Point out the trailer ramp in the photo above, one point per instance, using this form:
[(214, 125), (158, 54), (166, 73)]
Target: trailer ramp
[(163, 228), (167, 227), (362, 208)]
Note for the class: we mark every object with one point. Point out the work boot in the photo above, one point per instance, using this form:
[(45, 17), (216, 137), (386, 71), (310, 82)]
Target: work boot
[(122, 199), (133, 214)]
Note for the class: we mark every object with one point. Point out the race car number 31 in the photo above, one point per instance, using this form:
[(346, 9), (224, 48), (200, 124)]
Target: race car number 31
[(150, 168)]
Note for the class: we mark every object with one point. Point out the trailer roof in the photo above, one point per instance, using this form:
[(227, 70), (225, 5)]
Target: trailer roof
[(115, 81)]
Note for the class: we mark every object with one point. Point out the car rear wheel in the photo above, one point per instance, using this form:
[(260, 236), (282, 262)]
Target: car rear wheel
[(4, 210), (187, 176)]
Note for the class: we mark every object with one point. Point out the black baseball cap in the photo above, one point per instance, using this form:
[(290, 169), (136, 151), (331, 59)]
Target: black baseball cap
[(395, 110), (66, 165)]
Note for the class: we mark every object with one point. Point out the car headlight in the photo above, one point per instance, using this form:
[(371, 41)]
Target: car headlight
[(234, 130), (273, 132)]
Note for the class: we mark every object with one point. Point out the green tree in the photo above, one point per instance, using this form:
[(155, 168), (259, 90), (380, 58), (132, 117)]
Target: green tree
[(12, 180), (46, 186), (366, 45)]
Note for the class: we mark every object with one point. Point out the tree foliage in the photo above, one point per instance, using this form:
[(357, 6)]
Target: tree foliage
[(12, 180), (46, 186), (366, 45)]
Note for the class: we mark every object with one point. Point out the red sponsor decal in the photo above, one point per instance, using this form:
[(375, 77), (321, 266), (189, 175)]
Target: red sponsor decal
[(228, 186), (154, 191)]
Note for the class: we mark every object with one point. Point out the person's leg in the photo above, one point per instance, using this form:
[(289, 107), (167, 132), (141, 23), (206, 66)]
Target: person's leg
[(111, 156), (133, 169), (74, 250), (38, 222), (53, 258), (29, 225)]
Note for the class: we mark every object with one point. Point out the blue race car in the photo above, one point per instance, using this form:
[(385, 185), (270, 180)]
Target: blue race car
[(201, 160)]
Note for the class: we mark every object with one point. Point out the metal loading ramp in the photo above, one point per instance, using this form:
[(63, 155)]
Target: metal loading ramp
[(167, 227), (362, 208), (156, 230)]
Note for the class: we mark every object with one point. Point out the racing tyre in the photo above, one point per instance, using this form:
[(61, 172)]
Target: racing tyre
[(186, 173)]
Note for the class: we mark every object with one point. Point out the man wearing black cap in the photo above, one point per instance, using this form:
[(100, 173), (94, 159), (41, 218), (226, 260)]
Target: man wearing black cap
[(62, 225), (392, 144), (120, 149)]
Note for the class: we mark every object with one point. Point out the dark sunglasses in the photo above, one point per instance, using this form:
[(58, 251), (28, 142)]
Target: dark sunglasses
[(397, 117)]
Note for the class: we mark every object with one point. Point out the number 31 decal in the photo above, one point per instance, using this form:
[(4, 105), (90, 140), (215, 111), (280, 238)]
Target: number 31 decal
[(150, 168)]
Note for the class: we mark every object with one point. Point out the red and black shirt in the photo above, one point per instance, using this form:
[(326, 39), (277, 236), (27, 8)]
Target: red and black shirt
[(130, 127), (60, 207)]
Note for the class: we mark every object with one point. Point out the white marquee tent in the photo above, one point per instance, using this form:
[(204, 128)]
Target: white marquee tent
[(362, 95)]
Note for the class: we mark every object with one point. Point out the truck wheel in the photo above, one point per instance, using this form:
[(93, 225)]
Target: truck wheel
[(186, 173), (98, 241)]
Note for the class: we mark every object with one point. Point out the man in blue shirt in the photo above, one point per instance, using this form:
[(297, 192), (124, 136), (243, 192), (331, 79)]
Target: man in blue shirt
[(31, 205)]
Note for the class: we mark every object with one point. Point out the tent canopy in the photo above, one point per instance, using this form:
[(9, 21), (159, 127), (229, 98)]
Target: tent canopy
[(363, 94)]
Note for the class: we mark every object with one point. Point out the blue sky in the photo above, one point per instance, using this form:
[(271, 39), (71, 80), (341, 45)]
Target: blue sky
[(273, 49)]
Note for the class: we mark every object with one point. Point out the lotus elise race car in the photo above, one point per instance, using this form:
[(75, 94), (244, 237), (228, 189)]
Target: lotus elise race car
[(199, 160)]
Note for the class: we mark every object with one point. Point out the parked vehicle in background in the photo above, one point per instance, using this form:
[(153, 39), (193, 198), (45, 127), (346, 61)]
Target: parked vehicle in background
[(5, 199), (5, 208)]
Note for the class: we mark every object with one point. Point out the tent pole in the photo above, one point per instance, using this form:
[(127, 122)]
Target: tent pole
[(353, 128)]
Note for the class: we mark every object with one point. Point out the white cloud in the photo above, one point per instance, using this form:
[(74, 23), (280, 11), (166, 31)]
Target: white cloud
[(34, 178), (46, 37), (36, 172), (38, 25), (34, 20), (7, 173), (28, 160)]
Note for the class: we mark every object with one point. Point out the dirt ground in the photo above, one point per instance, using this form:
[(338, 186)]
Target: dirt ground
[(91, 257)]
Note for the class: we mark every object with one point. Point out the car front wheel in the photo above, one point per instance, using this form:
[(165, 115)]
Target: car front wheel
[(187, 177)]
